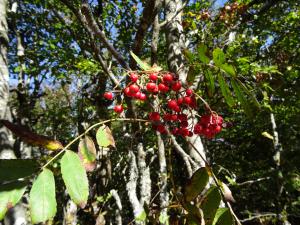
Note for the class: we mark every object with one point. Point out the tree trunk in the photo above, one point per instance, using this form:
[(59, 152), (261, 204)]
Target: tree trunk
[(176, 60)]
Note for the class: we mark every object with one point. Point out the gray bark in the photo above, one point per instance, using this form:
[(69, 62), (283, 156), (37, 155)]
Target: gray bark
[(177, 62)]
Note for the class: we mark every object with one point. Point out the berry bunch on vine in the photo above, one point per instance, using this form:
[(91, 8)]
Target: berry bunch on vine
[(172, 105)]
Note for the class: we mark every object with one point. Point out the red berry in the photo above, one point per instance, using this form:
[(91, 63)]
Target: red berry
[(151, 87), (134, 77), (161, 128), (218, 129), (184, 124), (167, 117), (198, 128), (143, 97), (175, 131), (174, 117), (153, 76), (172, 104), (154, 116), (168, 78), (137, 95), (179, 101), (190, 134), (128, 92), (163, 88), (118, 108), (182, 117), (187, 100), (176, 86), (134, 88), (184, 131), (108, 95), (177, 109), (189, 92)]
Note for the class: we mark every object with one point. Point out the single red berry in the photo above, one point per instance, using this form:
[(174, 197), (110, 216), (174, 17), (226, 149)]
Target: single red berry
[(189, 92), (179, 101), (177, 109), (134, 88), (118, 108), (108, 95), (182, 117), (168, 78), (163, 88), (172, 104), (137, 95), (218, 129), (174, 117), (187, 100), (176, 86), (127, 92), (184, 124), (198, 128), (143, 97), (153, 76), (161, 128), (167, 117), (184, 131), (134, 77), (151, 86), (154, 116), (190, 134)]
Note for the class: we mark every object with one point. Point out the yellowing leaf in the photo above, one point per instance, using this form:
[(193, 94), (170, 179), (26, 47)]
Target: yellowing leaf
[(104, 137), (87, 153), (267, 135), (32, 138)]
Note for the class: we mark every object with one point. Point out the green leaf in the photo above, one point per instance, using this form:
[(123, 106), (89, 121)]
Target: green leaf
[(196, 184), (252, 97), (191, 75), (225, 90), (143, 65), (87, 153), (223, 217), (202, 49), (42, 200), (75, 178), (210, 204), (104, 137), (229, 69), (141, 217), (10, 195), (13, 169), (210, 82), (218, 57)]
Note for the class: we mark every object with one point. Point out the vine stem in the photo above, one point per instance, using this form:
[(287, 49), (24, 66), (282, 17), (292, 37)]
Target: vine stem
[(85, 132)]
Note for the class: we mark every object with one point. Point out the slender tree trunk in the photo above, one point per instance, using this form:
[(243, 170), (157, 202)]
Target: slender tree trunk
[(177, 62)]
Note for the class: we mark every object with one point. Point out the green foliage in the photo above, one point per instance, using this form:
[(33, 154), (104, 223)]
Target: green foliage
[(14, 169), (196, 184), (10, 195), (223, 217), (42, 200), (75, 178), (104, 137)]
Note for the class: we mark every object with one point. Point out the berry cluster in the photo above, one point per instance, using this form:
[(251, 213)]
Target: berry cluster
[(173, 102)]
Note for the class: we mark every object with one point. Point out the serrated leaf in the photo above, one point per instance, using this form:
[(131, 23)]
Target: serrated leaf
[(229, 69), (32, 138), (223, 217), (75, 178), (210, 204), (42, 200), (87, 153), (267, 135), (202, 50), (13, 169), (143, 65), (225, 90), (210, 82), (218, 57), (10, 195), (196, 184), (104, 137)]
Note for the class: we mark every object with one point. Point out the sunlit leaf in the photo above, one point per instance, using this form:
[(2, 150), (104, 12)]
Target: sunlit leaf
[(223, 217), (267, 135), (87, 153), (104, 137), (218, 57), (202, 50), (143, 65), (10, 195), (75, 178), (42, 200), (210, 82), (229, 69)]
